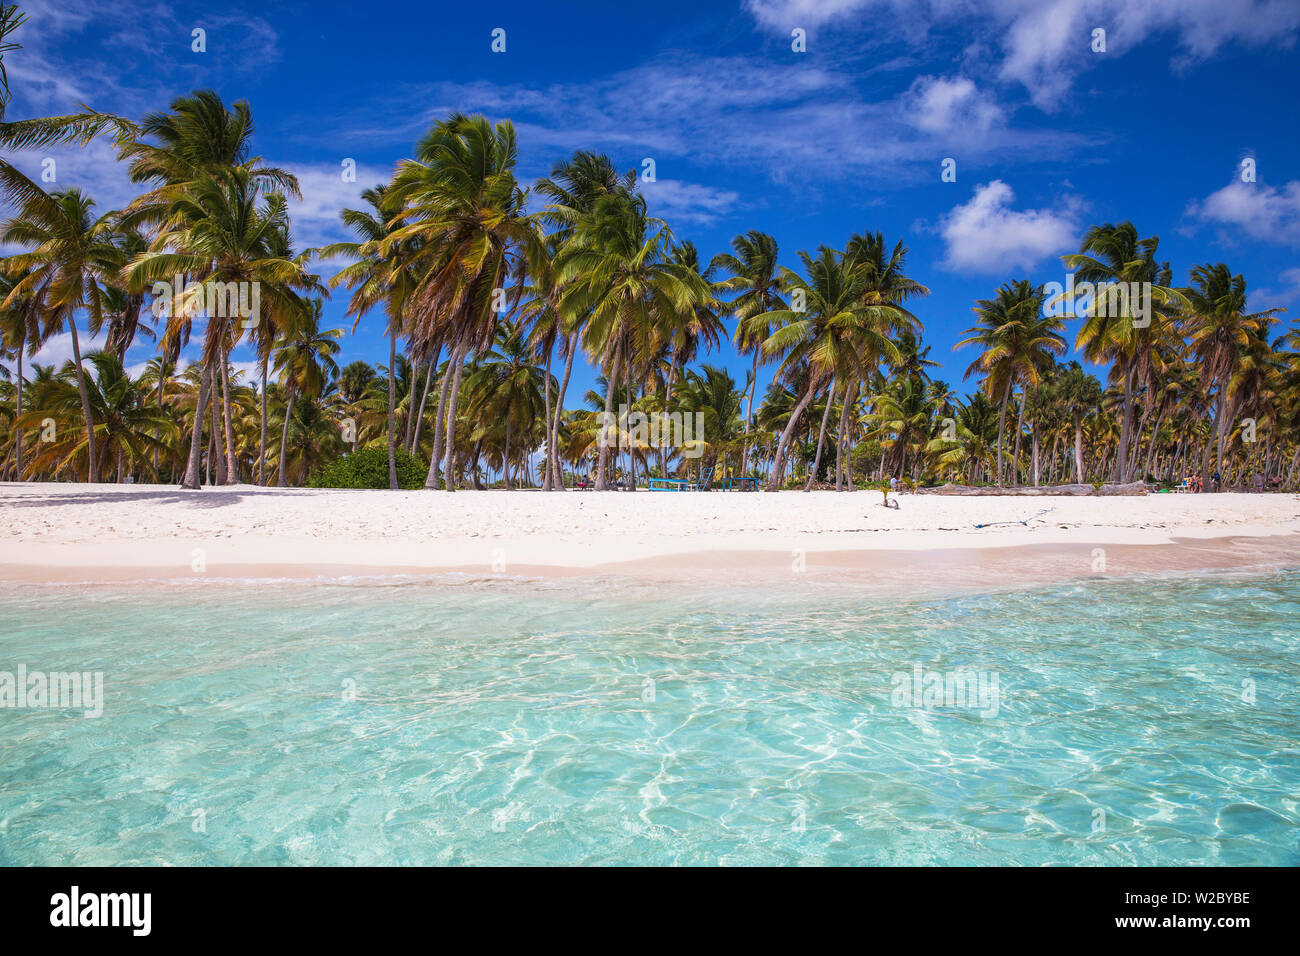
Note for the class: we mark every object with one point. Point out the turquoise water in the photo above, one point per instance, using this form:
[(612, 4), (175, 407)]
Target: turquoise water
[(535, 722)]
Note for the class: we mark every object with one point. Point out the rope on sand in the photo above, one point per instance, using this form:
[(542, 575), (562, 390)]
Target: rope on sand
[(994, 524)]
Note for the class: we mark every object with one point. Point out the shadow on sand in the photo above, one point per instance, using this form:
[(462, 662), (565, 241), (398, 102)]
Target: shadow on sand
[(206, 498)]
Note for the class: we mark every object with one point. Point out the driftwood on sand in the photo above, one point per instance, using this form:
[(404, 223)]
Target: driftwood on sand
[(1132, 488)]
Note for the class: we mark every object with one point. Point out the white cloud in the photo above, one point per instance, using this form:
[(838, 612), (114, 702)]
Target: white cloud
[(1271, 214), (315, 217), (950, 106), (785, 15), (1044, 44), (678, 201), (58, 349), (986, 235)]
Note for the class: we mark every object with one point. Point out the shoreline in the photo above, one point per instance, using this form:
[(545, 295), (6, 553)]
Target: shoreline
[(124, 533), (106, 533)]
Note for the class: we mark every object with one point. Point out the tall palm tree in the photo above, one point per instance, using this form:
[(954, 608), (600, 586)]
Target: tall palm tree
[(755, 276), (1114, 253), (20, 334), (218, 231), (1219, 329), (571, 190), (380, 273), (505, 390), (1017, 343), (70, 257), (460, 201), (305, 362), (887, 284), (838, 334), (617, 270), (1078, 395)]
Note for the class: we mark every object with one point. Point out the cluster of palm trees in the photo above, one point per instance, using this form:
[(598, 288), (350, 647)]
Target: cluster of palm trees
[(487, 304)]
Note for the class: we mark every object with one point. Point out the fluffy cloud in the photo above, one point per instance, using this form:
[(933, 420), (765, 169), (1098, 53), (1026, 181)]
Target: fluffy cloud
[(1044, 44), (950, 106), (315, 217), (784, 15), (679, 201), (986, 235), (1271, 214)]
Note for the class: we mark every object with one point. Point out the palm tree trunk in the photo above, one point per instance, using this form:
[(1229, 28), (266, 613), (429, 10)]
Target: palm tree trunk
[(1002, 426), (439, 422), (1121, 453), (1033, 432), (840, 437), (216, 438), (193, 478), (410, 407), (424, 398), (602, 452), (505, 456), (1153, 444), (554, 439), (282, 481), (749, 412), (232, 465), (821, 440), (92, 462), (261, 442), (449, 462), (1020, 430), (18, 432), (546, 480), (631, 451), (778, 462), (392, 401), (1078, 448)]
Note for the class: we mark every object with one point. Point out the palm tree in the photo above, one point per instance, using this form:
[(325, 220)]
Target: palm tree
[(218, 232), (1078, 395), (839, 334), (20, 334), (380, 273), (305, 362), (1018, 343), (505, 390), (127, 428), (1219, 329), (461, 203), (1114, 253), (754, 274), (712, 393), (572, 190), (617, 270), (70, 258), (197, 139), (887, 284)]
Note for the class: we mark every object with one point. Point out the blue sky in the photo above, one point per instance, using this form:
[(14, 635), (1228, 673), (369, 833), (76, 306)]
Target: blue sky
[(1049, 136)]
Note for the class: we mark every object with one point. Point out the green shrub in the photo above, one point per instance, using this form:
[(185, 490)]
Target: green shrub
[(368, 468)]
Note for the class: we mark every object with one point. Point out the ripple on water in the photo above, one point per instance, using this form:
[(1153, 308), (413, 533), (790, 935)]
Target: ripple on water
[(1137, 722)]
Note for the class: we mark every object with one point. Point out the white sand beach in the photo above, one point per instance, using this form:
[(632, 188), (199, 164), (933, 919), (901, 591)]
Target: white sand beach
[(118, 532)]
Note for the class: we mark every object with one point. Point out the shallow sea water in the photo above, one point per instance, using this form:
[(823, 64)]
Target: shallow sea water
[(458, 721)]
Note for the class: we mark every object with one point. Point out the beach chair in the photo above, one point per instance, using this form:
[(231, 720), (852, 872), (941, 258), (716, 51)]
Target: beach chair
[(667, 484), (704, 482)]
